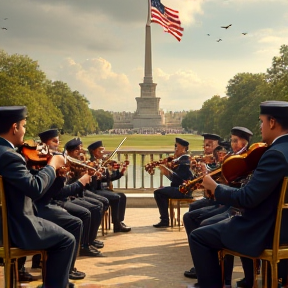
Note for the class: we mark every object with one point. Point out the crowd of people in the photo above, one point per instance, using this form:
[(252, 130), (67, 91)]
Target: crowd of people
[(58, 210)]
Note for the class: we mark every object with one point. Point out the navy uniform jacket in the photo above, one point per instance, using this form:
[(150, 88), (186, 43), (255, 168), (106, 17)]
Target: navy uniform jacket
[(252, 232), (97, 184), (21, 187), (181, 172)]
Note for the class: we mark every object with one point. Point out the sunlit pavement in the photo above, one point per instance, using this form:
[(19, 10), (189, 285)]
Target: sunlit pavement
[(145, 257)]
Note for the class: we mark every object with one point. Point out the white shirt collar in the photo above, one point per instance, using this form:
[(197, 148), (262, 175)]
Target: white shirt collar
[(278, 138), (8, 142)]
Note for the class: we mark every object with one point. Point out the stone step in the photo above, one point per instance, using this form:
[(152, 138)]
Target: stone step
[(139, 198), (144, 198)]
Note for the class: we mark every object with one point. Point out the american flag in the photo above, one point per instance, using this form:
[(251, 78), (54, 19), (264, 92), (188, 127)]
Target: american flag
[(166, 17)]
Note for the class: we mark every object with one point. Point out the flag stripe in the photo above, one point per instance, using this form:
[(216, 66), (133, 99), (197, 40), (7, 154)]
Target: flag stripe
[(167, 18), (158, 18), (169, 26)]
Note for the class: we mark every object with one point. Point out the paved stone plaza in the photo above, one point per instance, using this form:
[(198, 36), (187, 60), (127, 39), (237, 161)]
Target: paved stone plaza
[(146, 257)]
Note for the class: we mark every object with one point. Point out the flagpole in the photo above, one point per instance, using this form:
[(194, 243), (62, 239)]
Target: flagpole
[(149, 13)]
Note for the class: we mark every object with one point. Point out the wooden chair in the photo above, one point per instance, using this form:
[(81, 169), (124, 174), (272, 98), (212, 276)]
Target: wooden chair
[(10, 254), (177, 204), (273, 255), (106, 221)]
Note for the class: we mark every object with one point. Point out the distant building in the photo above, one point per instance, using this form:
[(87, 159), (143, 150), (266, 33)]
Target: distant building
[(123, 122)]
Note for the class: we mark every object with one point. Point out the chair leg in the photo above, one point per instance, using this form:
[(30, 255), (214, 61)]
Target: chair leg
[(171, 212), (264, 274), (43, 263), (255, 284), (8, 274), (105, 223), (221, 259), (274, 275), (16, 270), (109, 218), (102, 224), (178, 213)]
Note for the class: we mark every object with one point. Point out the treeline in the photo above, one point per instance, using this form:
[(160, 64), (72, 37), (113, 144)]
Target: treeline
[(240, 107), (51, 104)]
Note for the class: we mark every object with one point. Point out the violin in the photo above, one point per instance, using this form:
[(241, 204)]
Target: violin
[(197, 161), (233, 167), (150, 167), (196, 183), (242, 165), (37, 157)]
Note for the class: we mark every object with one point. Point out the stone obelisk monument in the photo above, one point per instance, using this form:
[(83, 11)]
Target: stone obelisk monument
[(148, 114)]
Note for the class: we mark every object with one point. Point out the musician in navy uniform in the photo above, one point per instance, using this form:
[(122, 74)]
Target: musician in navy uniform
[(26, 230), (240, 141), (259, 199), (86, 199), (47, 209), (179, 172), (211, 142), (117, 200)]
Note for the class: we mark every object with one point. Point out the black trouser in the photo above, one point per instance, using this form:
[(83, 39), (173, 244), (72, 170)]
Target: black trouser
[(162, 196), (195, 218), (96, 211), (205, 242), (81, 212), (92, 196), (59, 261), (59, 255), (117, 201), (65, 220), (201, 203)]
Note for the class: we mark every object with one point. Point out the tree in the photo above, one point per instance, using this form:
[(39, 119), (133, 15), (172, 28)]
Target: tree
[(74, 107), (23, 83), (103, 118), (240, 91), (189, 122), (208, 118), (277, 75)]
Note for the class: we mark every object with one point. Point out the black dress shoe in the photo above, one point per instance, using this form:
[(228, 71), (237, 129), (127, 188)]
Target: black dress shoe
[(76, 275), (191, 273), (89, 251), (24, 276), (121, 228), (98, 244), (36, 266), (242, 284), (161, 224)]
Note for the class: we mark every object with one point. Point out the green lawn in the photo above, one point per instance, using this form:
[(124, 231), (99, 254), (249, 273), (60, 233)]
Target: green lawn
[(139, 141)]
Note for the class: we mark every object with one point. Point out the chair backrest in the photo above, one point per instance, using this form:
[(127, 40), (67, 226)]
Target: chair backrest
[(282, 204), (5, 235)]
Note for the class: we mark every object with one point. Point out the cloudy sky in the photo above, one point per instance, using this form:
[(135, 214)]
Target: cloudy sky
[(97, 46)]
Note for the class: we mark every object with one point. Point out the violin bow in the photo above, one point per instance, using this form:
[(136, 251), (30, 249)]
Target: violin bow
[(114, 152)]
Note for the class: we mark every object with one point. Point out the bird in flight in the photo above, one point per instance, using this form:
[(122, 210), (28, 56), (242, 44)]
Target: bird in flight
[(208, 34), (244, 33), (226, 27), (219, 40), (3, 28)]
